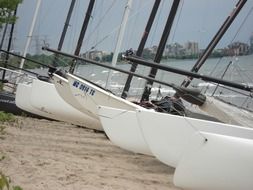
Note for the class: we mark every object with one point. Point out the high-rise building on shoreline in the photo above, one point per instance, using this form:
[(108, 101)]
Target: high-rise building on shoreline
[(251, 43)]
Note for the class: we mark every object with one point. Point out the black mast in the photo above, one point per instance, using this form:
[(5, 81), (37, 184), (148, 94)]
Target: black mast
[(82, 33), (141, 46), (215, 40), (158, 57), (4, 33), (9, 43), (64, 31)]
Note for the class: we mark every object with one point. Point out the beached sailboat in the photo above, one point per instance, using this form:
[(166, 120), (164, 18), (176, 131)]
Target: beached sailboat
[(200, 149), (25, 102), (111, 118), (61, 83), (105, 115), (90, 96), (201, 140), (7, 97), (10, 77), (85, 95), (122, 117), (204, 153), (52, 105)]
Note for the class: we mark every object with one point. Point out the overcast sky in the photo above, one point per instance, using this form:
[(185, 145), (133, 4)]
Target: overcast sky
[(197, 20)]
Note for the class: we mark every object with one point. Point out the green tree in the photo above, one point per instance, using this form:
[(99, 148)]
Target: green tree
[(6, 9)]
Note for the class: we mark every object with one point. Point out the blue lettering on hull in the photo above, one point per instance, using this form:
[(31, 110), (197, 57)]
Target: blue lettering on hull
[(84, 88)]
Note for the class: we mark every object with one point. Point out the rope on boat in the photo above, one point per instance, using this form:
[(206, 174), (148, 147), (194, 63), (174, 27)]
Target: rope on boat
[(195, 129)]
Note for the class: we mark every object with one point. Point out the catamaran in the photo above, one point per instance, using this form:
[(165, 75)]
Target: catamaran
[(91, 96), (201, 138), (52, 105), (204, 153)]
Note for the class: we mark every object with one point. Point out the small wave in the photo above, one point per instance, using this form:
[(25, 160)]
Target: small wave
[(116, 86), (104, 71), (100, 82), (248, 84), (163, 90), (230, 96), (204, 84)]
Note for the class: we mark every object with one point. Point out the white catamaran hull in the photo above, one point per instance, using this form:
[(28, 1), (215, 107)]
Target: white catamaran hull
[(221, 163), (123, 132), (168, 135), (123, 129), (45, 98), (91, 96), (22, 100), (63, 90)]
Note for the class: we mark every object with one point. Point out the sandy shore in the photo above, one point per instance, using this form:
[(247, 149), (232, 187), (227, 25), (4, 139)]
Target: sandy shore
[(50, 155)]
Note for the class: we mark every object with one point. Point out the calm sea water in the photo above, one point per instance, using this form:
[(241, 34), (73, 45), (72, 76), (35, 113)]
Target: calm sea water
[(240, 71)]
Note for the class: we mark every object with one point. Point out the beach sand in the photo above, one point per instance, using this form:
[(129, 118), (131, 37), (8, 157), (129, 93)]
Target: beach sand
[(50, 155)]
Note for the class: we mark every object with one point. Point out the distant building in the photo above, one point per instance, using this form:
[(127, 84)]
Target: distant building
[(95, 55), (154, 49), (149, 52), (191, 48), (174, 50), (237, 48), (251, 43)]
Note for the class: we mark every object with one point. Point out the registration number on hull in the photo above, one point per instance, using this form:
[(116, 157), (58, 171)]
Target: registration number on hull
[(84, 88)]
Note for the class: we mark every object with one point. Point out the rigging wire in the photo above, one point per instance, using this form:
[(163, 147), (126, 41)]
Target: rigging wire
[(236, 34), (195, 129), (100, 16), (241, 25), (73, 30), (172, 39), (238, 68), (130, 38), (134, 28), (141, 82), (177, 21), (114, 30), (99, 23), (239, 71), (93, 16), (156, 24)]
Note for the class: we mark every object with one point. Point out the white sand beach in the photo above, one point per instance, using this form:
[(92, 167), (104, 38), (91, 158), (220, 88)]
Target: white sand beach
[(49, 155)]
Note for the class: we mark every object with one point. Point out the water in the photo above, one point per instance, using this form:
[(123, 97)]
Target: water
[(240, 71)]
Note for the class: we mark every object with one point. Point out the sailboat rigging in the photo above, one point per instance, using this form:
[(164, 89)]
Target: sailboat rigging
[(9, 44), (64, 31), (189, 73), (52, 106), (141, 46), (161, 46), (215, 40), (119, 40), (7, 96), (188, 143), (82, 33), (90, 96), (162, 67), (29, 37)]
